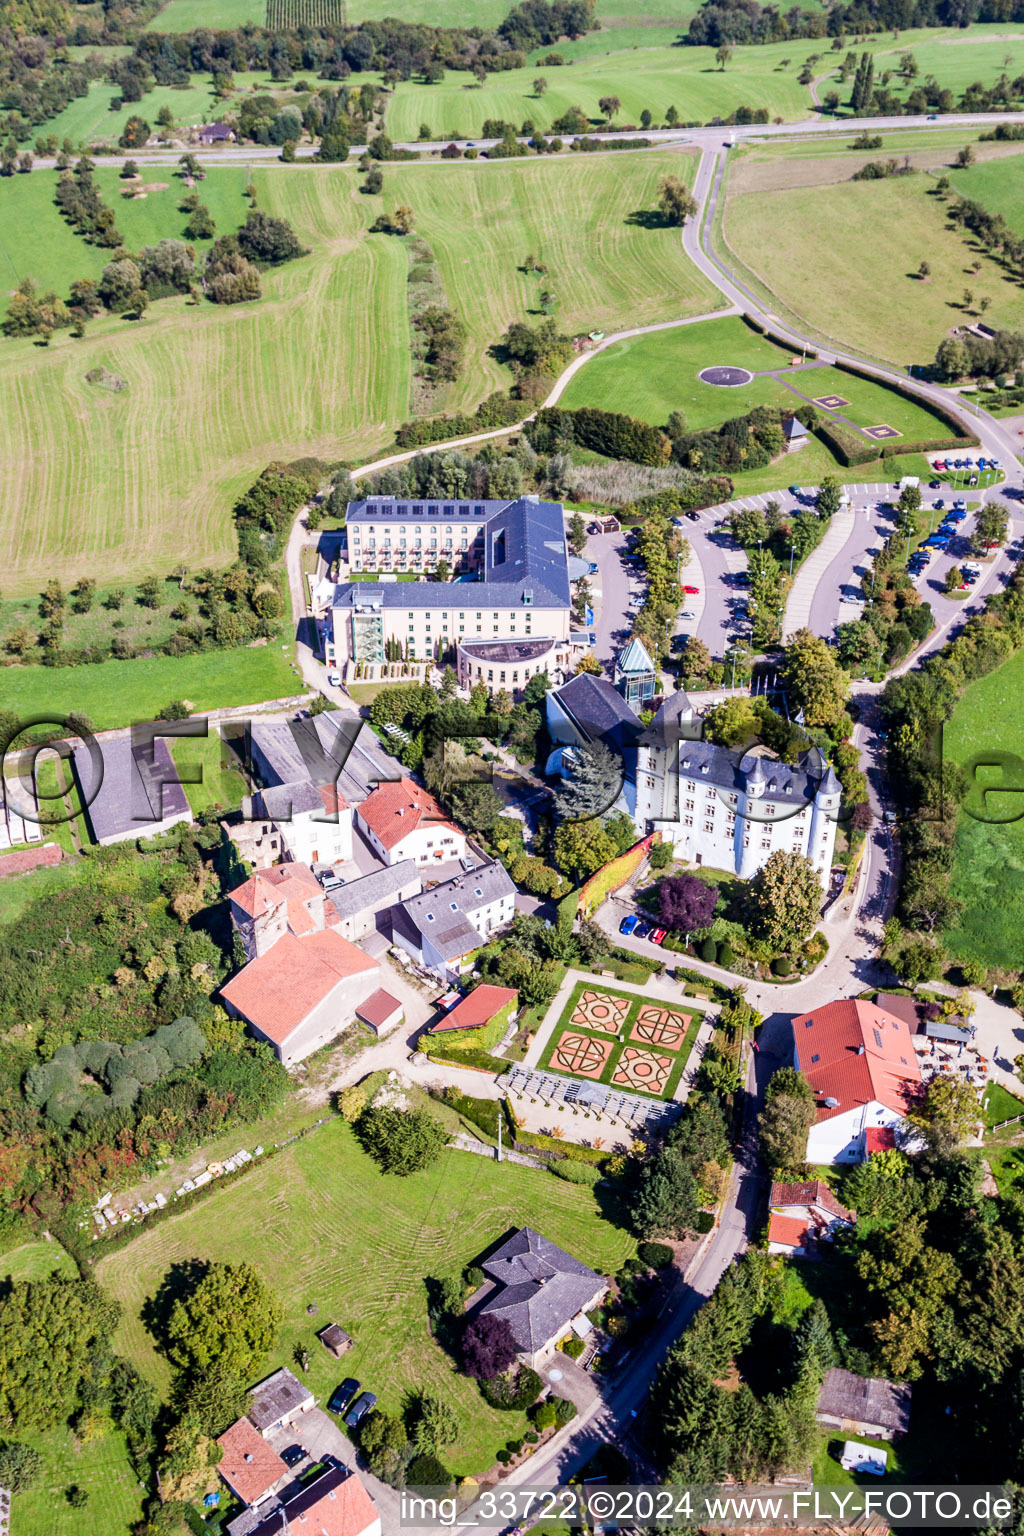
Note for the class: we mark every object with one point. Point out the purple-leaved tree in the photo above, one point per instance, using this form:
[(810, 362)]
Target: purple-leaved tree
[(488, 1347), (686, 903)]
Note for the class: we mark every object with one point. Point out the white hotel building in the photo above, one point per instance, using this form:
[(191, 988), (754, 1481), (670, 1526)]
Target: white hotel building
[(509, 620)]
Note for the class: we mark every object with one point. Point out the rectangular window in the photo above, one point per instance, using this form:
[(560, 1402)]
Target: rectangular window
[(709, 826)]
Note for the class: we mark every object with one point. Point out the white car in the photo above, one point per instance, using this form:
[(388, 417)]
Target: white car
[(334, 678), (687, 614)]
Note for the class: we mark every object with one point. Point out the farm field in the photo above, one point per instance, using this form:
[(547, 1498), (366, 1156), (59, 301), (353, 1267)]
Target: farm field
[(796, 244), (655, 78), (115, 693), (183, 15), (996, 184), (988, 869), (94, 116), (328, 1229), (119, 485)]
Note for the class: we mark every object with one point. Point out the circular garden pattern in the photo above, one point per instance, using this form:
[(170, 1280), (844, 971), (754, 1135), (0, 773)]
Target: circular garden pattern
[(725, 378), (600, 1010), (660, 1026), (581, 1054), (643, 1070)]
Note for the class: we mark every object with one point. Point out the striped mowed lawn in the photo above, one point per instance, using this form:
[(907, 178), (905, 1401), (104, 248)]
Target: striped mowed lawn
[(100, 1466), (114, 485), (327, 1229)]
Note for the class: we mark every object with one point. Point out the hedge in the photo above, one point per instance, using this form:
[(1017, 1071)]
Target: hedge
[(568, 1149), (514, 1396), (609, 433), (588, 145), (498, 410), (576, 1173), (850, 448), (655, 1255), (705, 1221)]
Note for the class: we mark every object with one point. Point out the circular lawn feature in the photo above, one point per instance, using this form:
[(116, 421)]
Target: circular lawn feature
[(725, 378)]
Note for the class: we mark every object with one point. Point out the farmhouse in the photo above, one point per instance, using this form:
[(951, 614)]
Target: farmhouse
[(401, 821), (444, 926), (800, 1216), (302, 992), (516, 552), (541, 1291), (861, 1064), (863, 1405), (334, 1504), (310, 823), (250, 1466), (272, 902)]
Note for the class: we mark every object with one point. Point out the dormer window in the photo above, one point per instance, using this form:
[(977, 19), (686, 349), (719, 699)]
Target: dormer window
[(703, 767)]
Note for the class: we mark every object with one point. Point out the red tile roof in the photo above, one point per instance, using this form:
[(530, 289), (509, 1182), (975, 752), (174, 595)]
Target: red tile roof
[(29, 858), (332, 798), (878, 1138), (378, 1007), (397, 808), (277, 991), (792, 1230), (267, 888), (855, 1053), (250, 1465), (811, 1192), (478, 1008), (347, 1510)]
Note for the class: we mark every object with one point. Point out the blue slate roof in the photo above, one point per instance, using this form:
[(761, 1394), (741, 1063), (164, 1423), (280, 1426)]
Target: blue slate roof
[(525, 557)]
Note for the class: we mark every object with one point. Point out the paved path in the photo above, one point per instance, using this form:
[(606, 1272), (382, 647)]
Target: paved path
[(805, 582)]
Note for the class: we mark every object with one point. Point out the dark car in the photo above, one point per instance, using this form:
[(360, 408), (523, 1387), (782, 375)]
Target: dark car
[(694, 517), (292, 1455), (938, 504), (357, 1413), (340, 1399)]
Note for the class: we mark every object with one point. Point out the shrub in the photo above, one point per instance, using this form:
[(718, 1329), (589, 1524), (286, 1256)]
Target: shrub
[(531, 1437), (515, 1446), (655, 1255), (726, 958), (512, 1393), (576, 1173), (425, 1471), (565, 1411), (709, 951), (544, 1415), (573, 1347), (782, 965), (474, 1277), (705, 1221), (504, 1457)]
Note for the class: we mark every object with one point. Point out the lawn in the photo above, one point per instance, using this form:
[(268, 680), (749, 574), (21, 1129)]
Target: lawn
[(798, 246), (655, 78), (116, 693), (185, 15), (601, 1036), (997, 185), (16, 891), (99, 1466), (36, 1261), (93, 117), (988, 871), (999, 1105), (125, 484), (222, 785), (329, 1230)]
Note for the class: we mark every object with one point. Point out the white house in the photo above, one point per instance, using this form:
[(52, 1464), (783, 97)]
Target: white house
[(402, 821), (800, 1216), (731, 810), (861, 1064), (313, 822), (441, 928)]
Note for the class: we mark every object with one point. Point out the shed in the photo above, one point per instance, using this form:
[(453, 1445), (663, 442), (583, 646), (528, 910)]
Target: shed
[(865, 1405), (794, 432), (380, 1011), (278, 1400), (335, 1340)]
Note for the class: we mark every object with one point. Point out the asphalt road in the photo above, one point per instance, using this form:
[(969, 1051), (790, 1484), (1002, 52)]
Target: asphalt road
[(611, 587)]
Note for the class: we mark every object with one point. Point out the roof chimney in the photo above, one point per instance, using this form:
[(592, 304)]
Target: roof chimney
[(861, 1049), (248, 1455), (831, 1103)]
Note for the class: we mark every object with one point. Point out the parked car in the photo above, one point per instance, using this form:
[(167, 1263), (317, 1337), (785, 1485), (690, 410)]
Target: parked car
[(334, 678), (794, 490), (357, 1413), (642, 930), (691, 591), (659, 935), (687, 613), (467, 864), (694, 517), (629, 924), (292, 1455), (939, 464), (938, 504), (343, 1395)]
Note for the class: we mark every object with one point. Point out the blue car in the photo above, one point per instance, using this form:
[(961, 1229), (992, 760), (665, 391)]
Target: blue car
[(629, 924), (643, 930)]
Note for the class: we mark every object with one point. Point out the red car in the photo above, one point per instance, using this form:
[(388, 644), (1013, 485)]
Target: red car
[(939, 464), (691, 591), (659, 935)]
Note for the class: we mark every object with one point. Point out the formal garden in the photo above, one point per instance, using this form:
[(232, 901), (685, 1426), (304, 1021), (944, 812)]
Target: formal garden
[(622, 1040)]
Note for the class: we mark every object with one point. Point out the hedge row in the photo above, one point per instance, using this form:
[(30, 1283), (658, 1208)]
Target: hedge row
[(498, 410), (609, 433), (589, 146), (850, 448)]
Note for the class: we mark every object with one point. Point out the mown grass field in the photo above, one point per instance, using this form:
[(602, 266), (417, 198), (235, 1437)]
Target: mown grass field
[(328, 1229), (998, 185), (183, 15), (222, 784), (95, 117), (120, 485), (988, 872), (807, 249), (653, 78), (99, 1466), (115, 693), (36, 1261)]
